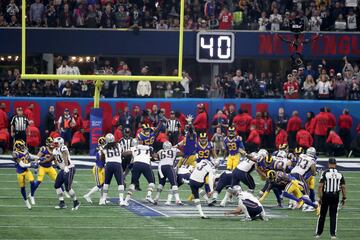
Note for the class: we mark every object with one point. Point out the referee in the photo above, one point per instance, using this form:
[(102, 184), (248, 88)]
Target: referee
[(173, 128), (19, 123), (331, 183)]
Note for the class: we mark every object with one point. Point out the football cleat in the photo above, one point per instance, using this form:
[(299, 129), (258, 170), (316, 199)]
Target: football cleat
[(76, 205), (27, 204), (317, 236), (180, 203), (167, 203), (87, 198), (102, 201), (61, 205), (124, 203), (333, 237), (150, 200), (32, 200), (204, 217), (309, 209)]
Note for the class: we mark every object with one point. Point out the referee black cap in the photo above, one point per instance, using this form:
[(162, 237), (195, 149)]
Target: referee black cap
[(332, 160)]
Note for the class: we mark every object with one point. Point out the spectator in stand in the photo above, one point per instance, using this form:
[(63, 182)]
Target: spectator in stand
[(341, 88), (321, 125), (281, 136), (231, 114), (323, 87), (3, 22), (309, 70), (50, 121), (315, 21), (275, 20), (291, 88), (33, 138), (334, 144), (12, 9), (107, 20), (304, 139), (268, 131), (351, 21), (65, 123), (28, 112), (144, 87), (259, 123), (126, 119), (121, 17), (79, 124), (118, 134), (309, 124), (49, 89), (225, 19), (36, 13), (3, 117), (354, 92), (253, 141), (65, 17), (345, 124), (51, 16), (309, 87), (331, 118), (282, 119), (201, 121), (92, 18), (242, 123), (220, 120), (293, 126), (263, 22), (67, 91), (340, 23)]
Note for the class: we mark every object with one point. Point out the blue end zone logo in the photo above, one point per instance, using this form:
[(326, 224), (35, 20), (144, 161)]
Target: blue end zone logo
[(140, 209)]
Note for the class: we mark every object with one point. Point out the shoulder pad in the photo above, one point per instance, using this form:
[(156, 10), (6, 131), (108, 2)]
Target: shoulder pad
[(63, 148)]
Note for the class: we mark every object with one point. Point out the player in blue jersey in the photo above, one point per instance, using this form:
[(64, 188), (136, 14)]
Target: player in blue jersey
[(204, 149), (232, 145), (98, 171), (22, 158), (148, 134), (189, 147)]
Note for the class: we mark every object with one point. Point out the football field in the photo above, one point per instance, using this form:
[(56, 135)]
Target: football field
[(143, 221)]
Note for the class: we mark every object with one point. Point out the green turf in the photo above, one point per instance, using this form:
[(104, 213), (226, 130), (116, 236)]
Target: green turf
[(113, 222)]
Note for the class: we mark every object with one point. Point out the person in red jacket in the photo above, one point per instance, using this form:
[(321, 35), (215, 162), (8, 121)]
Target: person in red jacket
[(4, 140), (309, 125), (268, 138), (182, 119), (4, 121), (259, 123), (334, 144), (304, 139), (320, 130), (79, 121), (242, 123), (78, 141), (253, 141), (118, 133), (281, 136), (345, 125), (225, 19), (115, 120), (201, 121), (28, 112), (294, 125), (291, 88), (331, 117), (33, 137)]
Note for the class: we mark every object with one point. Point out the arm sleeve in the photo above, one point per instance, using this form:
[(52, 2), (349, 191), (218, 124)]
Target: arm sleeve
[(244, 209), (322, 179)]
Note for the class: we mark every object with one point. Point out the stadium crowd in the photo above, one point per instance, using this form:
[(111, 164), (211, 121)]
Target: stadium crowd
[(318, 15), (328, 133), (309, 82)]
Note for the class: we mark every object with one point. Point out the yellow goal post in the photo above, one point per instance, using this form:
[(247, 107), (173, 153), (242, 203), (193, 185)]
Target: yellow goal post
[(99, 78)]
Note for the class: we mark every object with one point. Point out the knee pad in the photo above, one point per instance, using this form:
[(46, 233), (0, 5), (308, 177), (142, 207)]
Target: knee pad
[(59, 191), (159, 187), (151, 185), (132, 187), (106, 187), (175, 188), (121, 188)]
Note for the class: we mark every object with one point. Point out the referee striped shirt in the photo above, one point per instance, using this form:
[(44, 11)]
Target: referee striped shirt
[(125, 144), (332, 180), (20, 123), (173, 125)]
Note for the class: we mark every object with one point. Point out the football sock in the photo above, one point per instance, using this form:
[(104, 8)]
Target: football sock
[(312, 195), (170, 196), (198, 206), (72, 194), (121, 190), (175, 191), (32, 188), (60, 194), (23, 193), (159, 190), (150, 189), (308, 202), (287, 195), (93, 190), (105, 191)]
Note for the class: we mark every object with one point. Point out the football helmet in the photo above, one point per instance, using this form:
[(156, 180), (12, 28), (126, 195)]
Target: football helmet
[(231, 131), (298, 150), (19, 145), (263, 153), (109, 138), (134, 142), (167, 145), (271, 174), (101, 141), (282, 154), (311, 152), (58, 142), (203, 139), (49, 141)]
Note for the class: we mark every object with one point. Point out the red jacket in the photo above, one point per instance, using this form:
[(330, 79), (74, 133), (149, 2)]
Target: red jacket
[(345, 121), (117, 134), (242, 122), (321, 124), (254, 137), (183, 122), (115, 120), (304, 138), (5, 136), (281, 138), (291, 90), (86, 126), (162, 137), (358, 128), (309, 126), (201, 121), (28, 113), (334, 138), (268, 127), (294, 124), (78, 137), (260, 125), (332, 120), (33, 136), (79, 123), (3, 119)]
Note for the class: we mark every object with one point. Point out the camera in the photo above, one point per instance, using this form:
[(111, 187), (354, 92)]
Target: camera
[(297, 25)]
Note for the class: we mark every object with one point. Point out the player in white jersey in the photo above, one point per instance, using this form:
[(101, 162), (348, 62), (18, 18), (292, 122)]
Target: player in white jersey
[(111, 154), (205, 168), (167, 157), (141, 165), (248, 205), (61, 157)]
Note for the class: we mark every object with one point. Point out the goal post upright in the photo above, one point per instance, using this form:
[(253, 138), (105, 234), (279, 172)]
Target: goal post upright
[(99, 78)]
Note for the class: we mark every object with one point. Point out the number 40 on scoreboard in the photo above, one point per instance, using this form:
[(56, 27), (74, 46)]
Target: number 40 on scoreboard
[(215, 47)]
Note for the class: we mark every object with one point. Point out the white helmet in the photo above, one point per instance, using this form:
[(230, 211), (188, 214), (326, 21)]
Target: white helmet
[(58, 142), (311, 152), (134, 142), (109, 138), (282, 154), (167, 145), (215, 162), (263, 152), (236, 189)]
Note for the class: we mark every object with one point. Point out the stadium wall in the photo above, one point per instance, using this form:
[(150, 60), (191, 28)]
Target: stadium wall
[(186, 106), (251, 44)]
